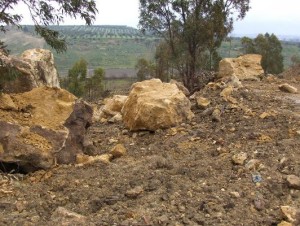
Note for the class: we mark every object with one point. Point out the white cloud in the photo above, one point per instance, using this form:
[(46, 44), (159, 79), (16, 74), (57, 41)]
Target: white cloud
[(273, 16)]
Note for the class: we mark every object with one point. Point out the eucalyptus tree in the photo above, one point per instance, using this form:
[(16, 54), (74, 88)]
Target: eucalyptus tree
[(191, 28), (48, 12)]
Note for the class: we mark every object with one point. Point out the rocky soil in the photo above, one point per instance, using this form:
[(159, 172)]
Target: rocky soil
[(238, 168)]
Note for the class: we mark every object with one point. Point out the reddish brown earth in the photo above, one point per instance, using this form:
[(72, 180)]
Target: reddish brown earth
[(181, 176)]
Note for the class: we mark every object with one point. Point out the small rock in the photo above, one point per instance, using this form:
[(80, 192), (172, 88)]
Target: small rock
[(216, 115), (293, 181), (266, 115), (103, 120), (289, 212), (259, 204), (112, 141), (253, 164), (239, 158), (116, 118), (118, 151), (134, 135), (82, 159), (162, 219), (135, 192), (202, 102), (125, 132), (226, 92), (207, 111), (63, 216), (284, 223), (235, 194), (288, 88)]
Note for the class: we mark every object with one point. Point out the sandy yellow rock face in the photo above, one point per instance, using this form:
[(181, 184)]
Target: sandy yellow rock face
[(247, 67), (153, 105)]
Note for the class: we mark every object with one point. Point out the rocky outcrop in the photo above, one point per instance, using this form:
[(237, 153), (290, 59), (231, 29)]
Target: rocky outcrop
[(33, 69), (42, 127), (247, 67), (152, 105)]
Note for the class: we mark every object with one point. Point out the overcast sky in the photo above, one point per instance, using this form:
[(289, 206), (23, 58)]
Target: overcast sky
[(273, 16)]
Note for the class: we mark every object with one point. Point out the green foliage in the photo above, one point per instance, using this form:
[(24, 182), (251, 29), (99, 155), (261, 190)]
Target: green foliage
[(191, 28), (76, 77), (7, 73), (144, 69), (45, 13), (295, 60), (247, 45), (94, 85), (163, 62), (270, 48)]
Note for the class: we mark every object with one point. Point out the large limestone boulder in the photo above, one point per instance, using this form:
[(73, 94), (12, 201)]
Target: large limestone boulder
[(152, 105), (247, 67), (42, 127), (33, 69)]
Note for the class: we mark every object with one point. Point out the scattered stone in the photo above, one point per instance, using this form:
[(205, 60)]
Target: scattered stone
[(284, 223), (247, 67), (253, 164), (112, 141), (289, 212), (135, 192), (293, 182), (202, 102), (264, 138), (235, 194), (216, 115), (239, 158), (62, 216), (82, 159), (288, 88), (259, 204), (207, 112), (116, 118), (267, 115), (118, 151), (153, 105), (114, 105), (226, 93)]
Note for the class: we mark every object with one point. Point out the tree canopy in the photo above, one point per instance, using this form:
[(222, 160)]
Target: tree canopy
[(192, 28), (44, 13), (270, 48)]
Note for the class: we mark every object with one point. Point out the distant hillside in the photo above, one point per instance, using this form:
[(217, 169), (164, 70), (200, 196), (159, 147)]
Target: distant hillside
[(102, 46), (111, 47)]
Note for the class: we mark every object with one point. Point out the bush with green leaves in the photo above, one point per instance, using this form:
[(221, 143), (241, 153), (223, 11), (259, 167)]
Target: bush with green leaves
[(269, 47)]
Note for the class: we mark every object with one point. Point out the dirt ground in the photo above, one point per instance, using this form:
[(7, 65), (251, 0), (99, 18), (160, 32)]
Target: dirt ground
[(186, 175)]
